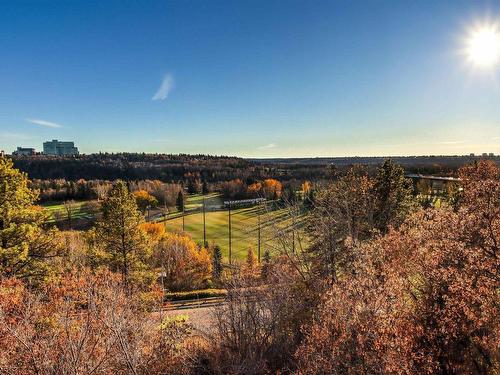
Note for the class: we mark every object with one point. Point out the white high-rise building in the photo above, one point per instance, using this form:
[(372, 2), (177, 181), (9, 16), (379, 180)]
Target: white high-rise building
[(59, 148)]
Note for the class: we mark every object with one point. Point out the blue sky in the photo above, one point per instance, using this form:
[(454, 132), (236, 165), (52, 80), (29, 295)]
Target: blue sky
[(249, 78)]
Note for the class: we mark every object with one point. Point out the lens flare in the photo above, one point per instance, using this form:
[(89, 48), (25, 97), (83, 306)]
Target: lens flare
[(483, 46)]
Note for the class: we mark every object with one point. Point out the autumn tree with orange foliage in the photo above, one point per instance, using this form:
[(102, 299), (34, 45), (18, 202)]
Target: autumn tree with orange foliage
[(183, 264), (255, 190), (251, 268), (306, 187), (422, 299), (154, 231), (271, 189)]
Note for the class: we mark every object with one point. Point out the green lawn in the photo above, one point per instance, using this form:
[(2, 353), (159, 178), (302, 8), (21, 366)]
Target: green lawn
[(196, 201), (275, 229), (57, 208)]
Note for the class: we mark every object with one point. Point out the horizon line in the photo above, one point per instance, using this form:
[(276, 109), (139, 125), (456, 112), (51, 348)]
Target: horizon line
[(487, 154)]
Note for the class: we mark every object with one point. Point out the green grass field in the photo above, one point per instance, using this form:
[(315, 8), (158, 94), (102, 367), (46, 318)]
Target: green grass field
[(55, 210), (196, 201), (275, 229)]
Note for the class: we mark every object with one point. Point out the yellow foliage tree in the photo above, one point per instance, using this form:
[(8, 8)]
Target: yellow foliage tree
[(183, 265), (144, 200), (155, 231)]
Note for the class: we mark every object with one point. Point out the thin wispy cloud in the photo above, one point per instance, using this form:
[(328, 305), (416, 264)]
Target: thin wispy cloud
[(267, 147), (167, 84), (45, 123)]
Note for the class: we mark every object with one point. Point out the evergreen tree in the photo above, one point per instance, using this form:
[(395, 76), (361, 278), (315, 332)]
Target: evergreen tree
[(192, 187), (251, 259), (266, 264), (343, 211), (180, 202), (393, 196), (251, 266), (204, 188), (24, 244), (309, 199), (120, 235), (217, 263), (288, 194)]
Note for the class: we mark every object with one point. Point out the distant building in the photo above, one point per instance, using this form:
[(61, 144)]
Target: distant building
[(24, 151), (59, 148), (491, 154), (485, 154), (472, 154)]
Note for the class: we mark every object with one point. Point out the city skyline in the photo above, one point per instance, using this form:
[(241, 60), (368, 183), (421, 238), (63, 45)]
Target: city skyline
[(259, 79)]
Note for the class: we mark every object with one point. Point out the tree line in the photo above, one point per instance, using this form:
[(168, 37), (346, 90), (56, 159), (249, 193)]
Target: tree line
[(215, 169), (166, 168)]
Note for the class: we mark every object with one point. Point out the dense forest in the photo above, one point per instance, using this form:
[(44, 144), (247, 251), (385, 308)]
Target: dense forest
[(176, 168)]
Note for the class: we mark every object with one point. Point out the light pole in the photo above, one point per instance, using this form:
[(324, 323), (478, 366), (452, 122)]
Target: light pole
[(165, 216), (183, 214), (258, 233), (230, 244), (204, 224)]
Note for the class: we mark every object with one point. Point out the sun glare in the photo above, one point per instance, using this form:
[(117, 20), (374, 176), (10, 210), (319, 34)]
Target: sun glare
[(483, 46)]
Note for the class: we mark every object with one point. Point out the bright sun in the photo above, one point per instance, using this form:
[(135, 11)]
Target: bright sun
[(483, 46)]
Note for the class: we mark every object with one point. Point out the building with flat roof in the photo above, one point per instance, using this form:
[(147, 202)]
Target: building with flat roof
[(59, 148), (25, 151)]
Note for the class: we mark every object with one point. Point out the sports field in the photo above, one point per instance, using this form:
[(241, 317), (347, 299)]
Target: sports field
[(275, 229)]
